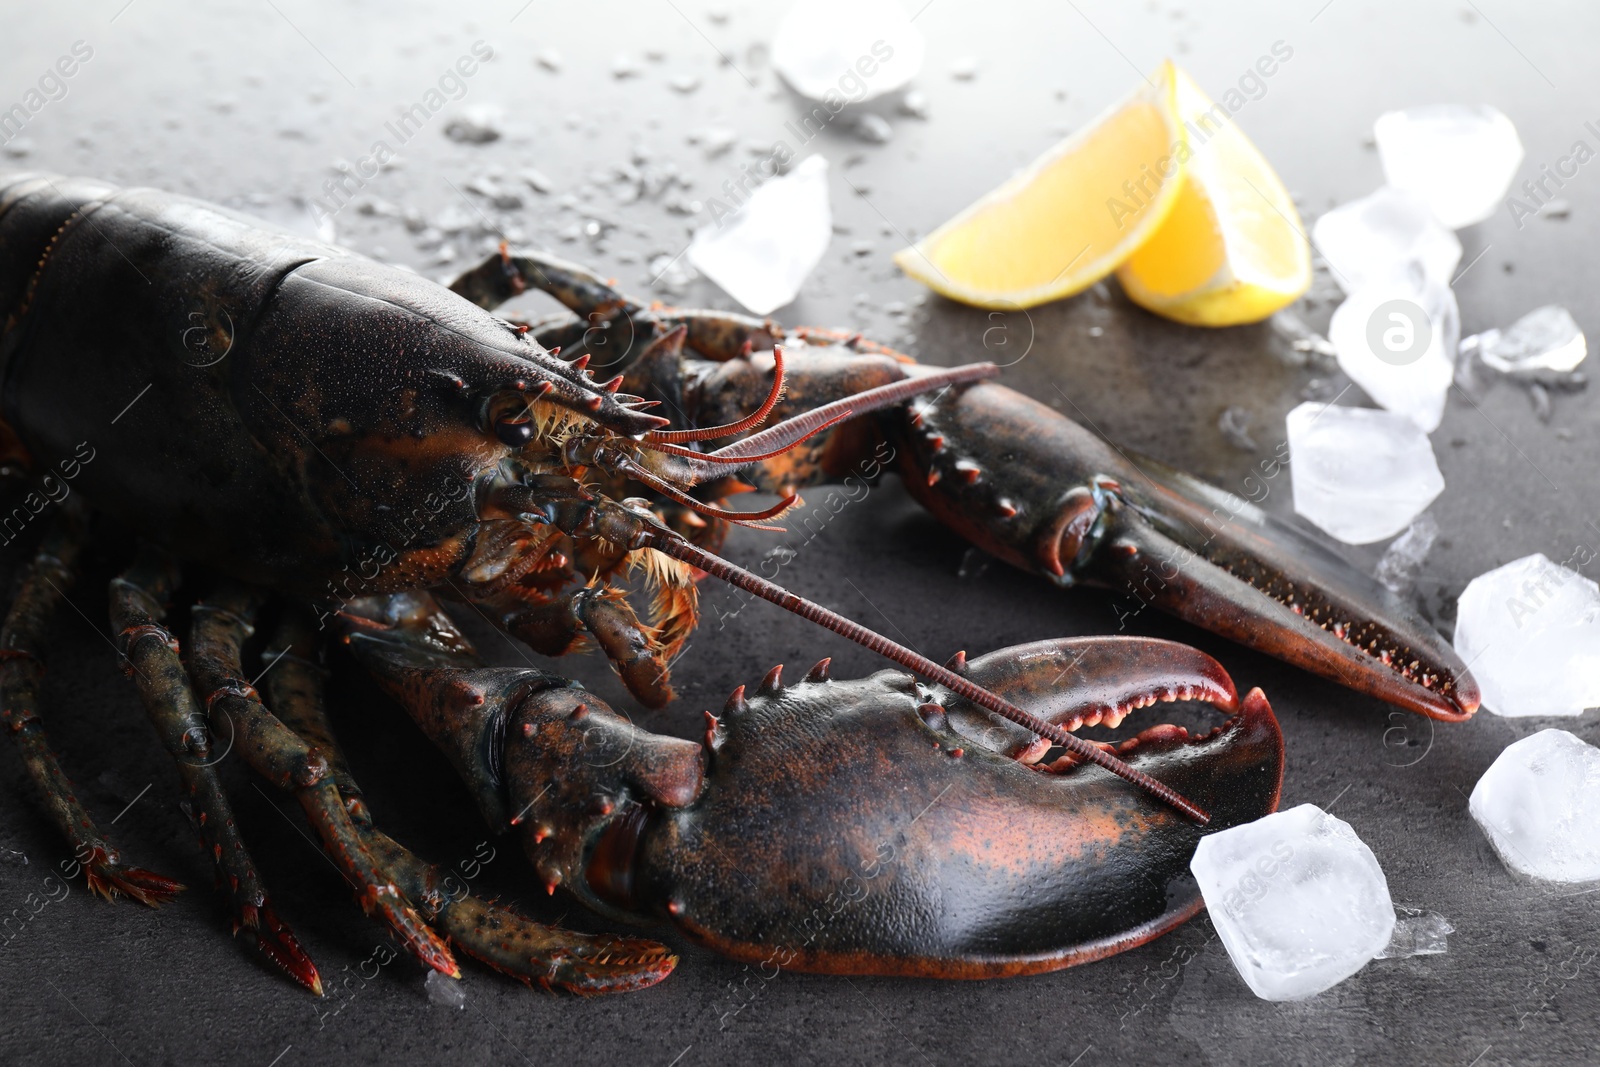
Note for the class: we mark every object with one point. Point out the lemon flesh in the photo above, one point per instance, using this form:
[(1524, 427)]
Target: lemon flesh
[(1070, 217), (1232, 250)]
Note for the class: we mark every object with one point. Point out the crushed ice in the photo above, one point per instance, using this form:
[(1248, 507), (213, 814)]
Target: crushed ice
[(1360, 474), (852, 50), (1531, 632), (974, 563), (1402, 560), (1234, 423), (1545, 339), (1371, 240), (762, 253), (475, 125), (1459, 158), (1539, 805), (1540, 352), (1298, 900), (1398, 342), (444, 991), (1417, 933), (1305, 346)]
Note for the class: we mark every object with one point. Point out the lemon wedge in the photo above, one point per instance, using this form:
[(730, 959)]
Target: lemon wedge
[(1232, 250), (1071, 217)]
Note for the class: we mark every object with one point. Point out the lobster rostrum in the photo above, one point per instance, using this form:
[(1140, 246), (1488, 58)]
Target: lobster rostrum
[(311, 426)]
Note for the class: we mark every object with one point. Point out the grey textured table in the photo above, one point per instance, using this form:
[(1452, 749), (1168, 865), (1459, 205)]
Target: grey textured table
[(250, 103)]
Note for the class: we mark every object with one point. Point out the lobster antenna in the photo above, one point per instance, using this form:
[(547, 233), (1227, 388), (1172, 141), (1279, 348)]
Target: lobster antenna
[(799, 427), (672, 545)]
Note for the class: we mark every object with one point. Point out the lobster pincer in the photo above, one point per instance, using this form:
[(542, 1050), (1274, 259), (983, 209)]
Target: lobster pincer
[(872, 826), (1039, 491)]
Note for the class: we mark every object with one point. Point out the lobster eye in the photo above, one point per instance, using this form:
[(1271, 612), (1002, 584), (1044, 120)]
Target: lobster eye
[(514, 430)]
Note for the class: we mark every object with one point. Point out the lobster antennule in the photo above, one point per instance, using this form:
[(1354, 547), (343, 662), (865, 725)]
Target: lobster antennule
[(744, 425), (753, 519), (775, 440), (672, 545)]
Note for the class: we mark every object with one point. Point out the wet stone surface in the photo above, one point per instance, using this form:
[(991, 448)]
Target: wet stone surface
[(260, 106)]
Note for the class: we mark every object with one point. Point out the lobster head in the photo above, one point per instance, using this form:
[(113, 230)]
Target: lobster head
[(885, 826)]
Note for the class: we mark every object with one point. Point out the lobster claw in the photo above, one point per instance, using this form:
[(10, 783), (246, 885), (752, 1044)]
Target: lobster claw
[(1041, 492), (1265, 584), (881, 826)]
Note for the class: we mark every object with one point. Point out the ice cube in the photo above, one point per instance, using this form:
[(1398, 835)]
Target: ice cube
[(444, 991), (851, 50), (1460, 158), (1398, 342), (1530, 632), (1298, 900), (1370, 240), (1417, 933), (1402, 560), (1545, 339), (1539, 805), (762, 253), (1358, 473)]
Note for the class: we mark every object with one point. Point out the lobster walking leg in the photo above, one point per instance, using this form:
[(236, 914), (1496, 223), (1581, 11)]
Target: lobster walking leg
[(223, 622), (21, 673), (614, 325), (414, 651), (138, 600), (553, 627), (528, 951)]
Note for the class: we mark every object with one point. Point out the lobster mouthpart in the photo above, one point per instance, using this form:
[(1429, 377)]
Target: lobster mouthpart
[(1042, 493), (882, 826)]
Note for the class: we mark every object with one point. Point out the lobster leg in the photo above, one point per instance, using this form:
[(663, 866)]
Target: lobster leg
[(529, 951), (223, 622), (138, 599), (414, 650), (615, 326), (21, 673), (552, 627)]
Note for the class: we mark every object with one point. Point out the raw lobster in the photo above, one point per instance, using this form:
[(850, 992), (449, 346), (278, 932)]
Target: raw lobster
[(343, 442)]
